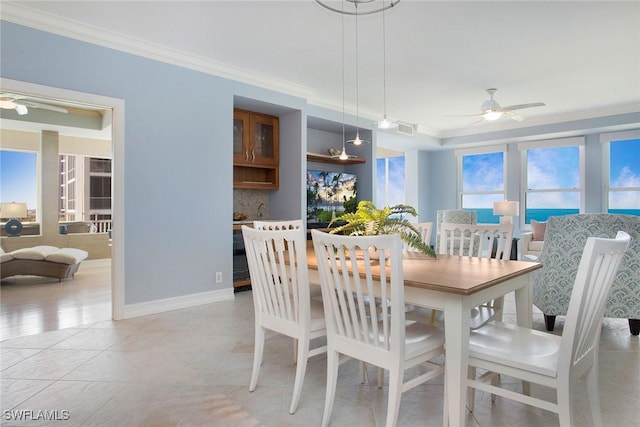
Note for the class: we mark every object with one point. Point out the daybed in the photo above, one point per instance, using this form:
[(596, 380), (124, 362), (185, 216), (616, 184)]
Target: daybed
[(564, 241), (47, 261)]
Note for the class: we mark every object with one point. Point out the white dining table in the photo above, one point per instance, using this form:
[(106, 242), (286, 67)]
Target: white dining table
[(455, 285)]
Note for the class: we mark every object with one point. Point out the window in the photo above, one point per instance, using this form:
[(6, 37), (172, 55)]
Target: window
[(390, 186), (67, 188), (85, 189), (99, 185), (553, 177), (18, 180), (481, 181), (622, 172)]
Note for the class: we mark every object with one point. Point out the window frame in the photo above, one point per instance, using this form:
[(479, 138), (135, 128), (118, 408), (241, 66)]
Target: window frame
[(460, 154), (524, 147), (386, 158), (605, 140)]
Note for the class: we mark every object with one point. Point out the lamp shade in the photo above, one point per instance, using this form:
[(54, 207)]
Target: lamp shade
[(507, 208), (13, 210)]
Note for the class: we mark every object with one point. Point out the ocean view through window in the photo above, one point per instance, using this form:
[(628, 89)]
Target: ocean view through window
[(553, 179), (483, 177)]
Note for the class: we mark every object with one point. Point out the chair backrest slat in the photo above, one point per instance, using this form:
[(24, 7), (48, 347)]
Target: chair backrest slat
[(362, 287)]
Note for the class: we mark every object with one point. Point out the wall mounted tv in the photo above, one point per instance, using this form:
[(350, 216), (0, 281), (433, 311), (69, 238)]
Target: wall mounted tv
[(329, 195)]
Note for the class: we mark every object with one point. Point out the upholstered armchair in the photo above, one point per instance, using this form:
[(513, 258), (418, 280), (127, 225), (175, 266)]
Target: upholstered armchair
[(564, 241), (456, 216)]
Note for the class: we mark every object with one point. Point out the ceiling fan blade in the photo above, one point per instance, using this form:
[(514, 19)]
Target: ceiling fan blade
[(467, 115), (41, 106), (521, 106), (513, 116), (474, 122)]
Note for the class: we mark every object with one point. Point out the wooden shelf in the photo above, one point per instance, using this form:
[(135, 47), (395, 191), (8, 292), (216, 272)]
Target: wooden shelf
[(325, 158)]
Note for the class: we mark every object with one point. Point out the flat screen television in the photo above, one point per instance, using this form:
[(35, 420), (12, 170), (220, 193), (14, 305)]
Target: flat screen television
[(329, 195)]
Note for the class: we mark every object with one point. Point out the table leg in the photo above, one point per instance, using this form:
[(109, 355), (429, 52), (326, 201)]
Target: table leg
[(524, 303), (456, 321)]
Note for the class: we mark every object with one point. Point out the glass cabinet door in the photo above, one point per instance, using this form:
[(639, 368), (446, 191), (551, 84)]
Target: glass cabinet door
[(264, 144), (240, 137)]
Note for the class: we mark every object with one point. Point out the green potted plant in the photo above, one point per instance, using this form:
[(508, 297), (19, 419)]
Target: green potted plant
[(368, 220)]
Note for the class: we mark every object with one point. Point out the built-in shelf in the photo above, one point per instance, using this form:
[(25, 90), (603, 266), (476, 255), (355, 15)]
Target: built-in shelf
[(325, 158)]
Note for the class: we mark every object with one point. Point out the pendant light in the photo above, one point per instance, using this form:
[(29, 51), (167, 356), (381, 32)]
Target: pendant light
[(385, 123), (343, 155), (357, 140), (369, 7)]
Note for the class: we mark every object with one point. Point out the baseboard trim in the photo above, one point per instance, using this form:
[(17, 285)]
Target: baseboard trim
[(176, 303), (99, 262)]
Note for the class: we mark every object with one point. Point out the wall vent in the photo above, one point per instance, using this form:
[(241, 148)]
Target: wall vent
[(406, 129)]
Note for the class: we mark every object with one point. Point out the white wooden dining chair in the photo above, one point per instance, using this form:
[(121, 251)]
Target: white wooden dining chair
[(360, 328), (484, 241), (282, 302), (554, 361)]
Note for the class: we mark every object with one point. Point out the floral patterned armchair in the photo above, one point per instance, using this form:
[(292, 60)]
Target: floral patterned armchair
[(563, 244)]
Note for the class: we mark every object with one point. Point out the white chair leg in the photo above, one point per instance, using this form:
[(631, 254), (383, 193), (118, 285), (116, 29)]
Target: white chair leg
[(471, 392), (332, 380), (565, 412), (257, 357), (445, 406), (594, 396), (395, 391), (301, 368)]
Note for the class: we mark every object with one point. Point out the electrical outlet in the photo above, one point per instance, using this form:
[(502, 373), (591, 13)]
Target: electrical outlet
[(219, 277)]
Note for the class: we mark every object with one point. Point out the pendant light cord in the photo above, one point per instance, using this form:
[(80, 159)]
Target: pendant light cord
[(384, 62), (343, 78), (357, 78)]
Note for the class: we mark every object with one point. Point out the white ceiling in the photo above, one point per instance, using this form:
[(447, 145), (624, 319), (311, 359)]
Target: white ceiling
[(581, 58)]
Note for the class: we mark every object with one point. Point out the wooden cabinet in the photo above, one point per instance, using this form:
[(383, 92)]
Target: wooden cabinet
[(255, 150)]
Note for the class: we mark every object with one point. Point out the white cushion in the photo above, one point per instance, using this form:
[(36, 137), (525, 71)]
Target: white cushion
[(536, 245), (5, 257), (34, 253), (67, 256)]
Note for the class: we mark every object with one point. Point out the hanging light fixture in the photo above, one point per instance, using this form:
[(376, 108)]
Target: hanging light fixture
[(357, 140), (369, 7), (385, 123), (343, 155)]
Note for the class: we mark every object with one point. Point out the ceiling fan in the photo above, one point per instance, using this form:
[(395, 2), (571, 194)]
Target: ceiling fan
[(491, 110), (10, 101)]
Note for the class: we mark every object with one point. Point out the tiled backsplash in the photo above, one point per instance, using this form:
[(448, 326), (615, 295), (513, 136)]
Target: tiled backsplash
[(248, 202)]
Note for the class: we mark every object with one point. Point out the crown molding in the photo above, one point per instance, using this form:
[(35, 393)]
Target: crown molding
[(24, 15)]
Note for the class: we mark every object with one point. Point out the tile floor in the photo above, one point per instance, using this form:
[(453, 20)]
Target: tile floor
[(191, 367)]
